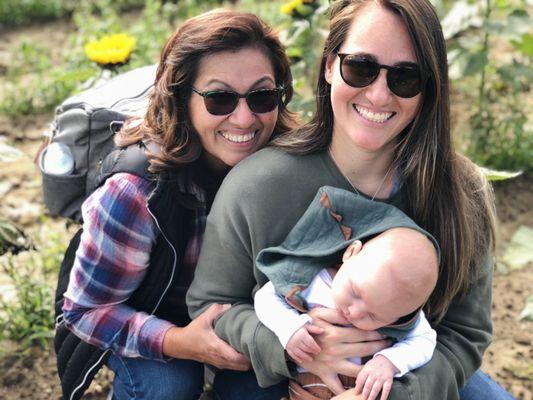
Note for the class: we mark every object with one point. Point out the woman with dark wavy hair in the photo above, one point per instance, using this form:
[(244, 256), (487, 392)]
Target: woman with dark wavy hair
[(381, 130), (220, 93)]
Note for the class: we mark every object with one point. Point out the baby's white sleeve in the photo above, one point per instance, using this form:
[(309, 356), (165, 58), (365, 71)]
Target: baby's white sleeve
[(414, 350), (278, 316)]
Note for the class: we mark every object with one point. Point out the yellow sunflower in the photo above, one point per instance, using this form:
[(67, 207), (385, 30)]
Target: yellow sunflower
[(111, 50), (290, 6)]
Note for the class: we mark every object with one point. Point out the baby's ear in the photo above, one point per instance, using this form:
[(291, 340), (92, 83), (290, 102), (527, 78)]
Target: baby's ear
[(354, 248)]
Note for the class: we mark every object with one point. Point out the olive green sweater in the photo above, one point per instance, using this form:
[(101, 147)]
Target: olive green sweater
[(256, 207)]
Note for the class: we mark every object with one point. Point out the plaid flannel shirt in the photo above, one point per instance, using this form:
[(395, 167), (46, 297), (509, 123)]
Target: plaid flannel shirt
[(111, 262)]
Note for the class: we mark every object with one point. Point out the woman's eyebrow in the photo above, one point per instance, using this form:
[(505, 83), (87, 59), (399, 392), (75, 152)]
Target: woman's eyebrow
[(374, 58), (266, 78)]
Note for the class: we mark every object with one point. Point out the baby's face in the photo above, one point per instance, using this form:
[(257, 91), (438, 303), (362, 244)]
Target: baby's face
[(366, 293)]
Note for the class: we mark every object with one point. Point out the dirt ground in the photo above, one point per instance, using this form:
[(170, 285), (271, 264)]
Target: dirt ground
[(509, 359)]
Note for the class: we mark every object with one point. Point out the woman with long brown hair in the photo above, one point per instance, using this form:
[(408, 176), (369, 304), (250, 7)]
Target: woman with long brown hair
[(381, 130), (220, 92)]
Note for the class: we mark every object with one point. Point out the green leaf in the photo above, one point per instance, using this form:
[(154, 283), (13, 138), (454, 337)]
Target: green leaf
[(525, 45), (475, 62), (494, 175), (502, 4)]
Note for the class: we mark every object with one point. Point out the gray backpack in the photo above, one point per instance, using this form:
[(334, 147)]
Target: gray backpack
[(81, 136)]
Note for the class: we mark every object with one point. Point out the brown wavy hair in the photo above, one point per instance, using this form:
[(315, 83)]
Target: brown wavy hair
[(167, 121), (448, 195)]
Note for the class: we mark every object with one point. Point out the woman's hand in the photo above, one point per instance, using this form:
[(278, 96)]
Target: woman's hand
[(338, 343), (198, 341)]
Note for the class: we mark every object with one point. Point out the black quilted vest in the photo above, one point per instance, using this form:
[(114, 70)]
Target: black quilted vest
[(77, 361)]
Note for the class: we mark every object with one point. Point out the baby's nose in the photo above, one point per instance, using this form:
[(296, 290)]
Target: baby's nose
[(354, 313)]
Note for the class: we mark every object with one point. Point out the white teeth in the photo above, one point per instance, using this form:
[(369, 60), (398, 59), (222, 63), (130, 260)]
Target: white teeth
[(238, 138), (371, 116)]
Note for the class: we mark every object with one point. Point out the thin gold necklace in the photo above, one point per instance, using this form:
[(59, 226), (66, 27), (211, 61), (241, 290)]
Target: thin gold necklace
[(350, 182)]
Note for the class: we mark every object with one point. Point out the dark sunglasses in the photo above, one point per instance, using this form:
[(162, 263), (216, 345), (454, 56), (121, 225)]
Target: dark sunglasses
[(404, 80), (224, 102)]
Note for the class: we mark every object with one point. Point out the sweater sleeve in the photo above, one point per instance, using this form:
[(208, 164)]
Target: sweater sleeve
[(462, 337), (111, 262)]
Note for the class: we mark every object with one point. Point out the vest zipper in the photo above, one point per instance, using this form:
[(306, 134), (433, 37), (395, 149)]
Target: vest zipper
[(173, 251)]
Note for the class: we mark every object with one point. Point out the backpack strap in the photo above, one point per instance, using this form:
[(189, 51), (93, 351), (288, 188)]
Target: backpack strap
[(131, 159)]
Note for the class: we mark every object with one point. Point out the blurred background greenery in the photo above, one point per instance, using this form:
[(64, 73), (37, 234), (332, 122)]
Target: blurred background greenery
[(490, 45)]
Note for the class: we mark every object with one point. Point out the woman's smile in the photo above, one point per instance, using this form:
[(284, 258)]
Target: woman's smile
[(241, 138), (373, 116)]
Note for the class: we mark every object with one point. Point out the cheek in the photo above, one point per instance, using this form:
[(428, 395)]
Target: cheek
[(411, 107), (268, 121), (342, 94), (339, 296)]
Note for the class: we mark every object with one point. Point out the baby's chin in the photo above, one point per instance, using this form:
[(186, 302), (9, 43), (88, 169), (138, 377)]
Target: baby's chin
[(366, 325)]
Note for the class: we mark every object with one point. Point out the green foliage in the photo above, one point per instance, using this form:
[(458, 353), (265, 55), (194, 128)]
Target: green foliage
[(15, 12), (306, 30), (27, 317), (36, 86), (490, 51), (11, 238), (500, 135), (493, 175), (38, 93)]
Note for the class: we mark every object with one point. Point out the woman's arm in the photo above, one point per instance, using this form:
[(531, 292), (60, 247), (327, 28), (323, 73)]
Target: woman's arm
[(110, 264), (198, 341)]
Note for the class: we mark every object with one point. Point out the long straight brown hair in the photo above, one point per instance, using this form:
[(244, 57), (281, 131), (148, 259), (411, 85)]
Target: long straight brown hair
[(167, 122), (448, 195)]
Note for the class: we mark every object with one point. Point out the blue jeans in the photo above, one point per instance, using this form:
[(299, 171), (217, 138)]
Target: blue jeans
[(480, 386), (141, 379), (138, 378)]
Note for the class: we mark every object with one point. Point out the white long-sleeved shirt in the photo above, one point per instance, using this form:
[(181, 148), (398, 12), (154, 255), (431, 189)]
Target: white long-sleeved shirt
[(413, 351)]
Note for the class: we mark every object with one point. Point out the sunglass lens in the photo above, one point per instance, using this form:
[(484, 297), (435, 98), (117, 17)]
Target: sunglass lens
[(263, 101), (221, 103), (405, 81), (358, 72)]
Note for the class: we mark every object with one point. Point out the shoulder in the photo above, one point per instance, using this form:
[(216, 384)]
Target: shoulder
[(267, 170), (120, 190), (265, 164)]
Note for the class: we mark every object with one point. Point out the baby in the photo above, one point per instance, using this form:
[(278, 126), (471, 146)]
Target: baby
[(381, 285)]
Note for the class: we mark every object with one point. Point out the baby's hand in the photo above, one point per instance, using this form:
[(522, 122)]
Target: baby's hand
[(301, 346), (376, 375)]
